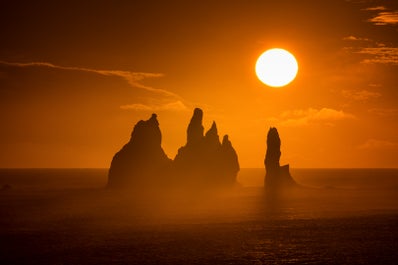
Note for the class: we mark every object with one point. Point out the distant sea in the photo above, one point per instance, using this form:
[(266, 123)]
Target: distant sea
[(65, 216), (59, 178)]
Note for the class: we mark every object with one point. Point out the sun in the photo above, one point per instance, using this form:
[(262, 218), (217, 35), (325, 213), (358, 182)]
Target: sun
[(276, 67)]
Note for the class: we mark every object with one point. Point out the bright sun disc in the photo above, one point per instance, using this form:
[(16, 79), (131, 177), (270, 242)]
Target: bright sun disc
[(276, 67)]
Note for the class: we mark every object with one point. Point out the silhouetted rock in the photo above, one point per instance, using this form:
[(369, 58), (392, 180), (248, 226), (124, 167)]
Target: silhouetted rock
[(276, 176), (195, 128), (142, 161), (204, 161), (228, 164)]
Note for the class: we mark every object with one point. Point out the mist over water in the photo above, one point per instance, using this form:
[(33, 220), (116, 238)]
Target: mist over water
[(67, 216)]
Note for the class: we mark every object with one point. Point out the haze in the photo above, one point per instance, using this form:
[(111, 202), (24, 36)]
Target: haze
[(76, 76)]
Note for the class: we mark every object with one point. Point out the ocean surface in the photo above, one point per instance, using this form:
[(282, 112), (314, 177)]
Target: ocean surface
[(66, 216)]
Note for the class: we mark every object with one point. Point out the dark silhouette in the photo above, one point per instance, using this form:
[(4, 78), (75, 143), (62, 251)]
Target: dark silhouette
[(229, 164), (202, 162), (195, 128), (276, 176), (142, 161)]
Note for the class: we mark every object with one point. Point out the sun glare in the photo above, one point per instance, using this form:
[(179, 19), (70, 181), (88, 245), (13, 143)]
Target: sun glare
[(276, 67)]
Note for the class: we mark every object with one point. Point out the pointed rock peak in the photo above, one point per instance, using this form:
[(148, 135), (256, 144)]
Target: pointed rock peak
[(147, 132), (195, 127), (154, 119), (226, 141), (142, 161), (277, 176), (273, 139), (213, 130), (197, 114), (212, 135)]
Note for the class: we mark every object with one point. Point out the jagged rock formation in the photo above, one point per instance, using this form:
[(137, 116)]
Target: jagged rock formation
[(142, 161), (204, 161), (276, 176)]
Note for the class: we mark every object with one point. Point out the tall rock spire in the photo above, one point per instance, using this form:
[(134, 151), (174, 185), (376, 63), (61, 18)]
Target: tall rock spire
[(212, 138), (229, 164), (276, 176), (195, 128)]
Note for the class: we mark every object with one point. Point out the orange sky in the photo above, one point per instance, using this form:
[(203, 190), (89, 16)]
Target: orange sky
[(75, 78)]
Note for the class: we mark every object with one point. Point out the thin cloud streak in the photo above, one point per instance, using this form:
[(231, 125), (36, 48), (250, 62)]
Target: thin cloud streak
[(385, 18), (170, 106), (360, 95), (133, 78), (310, 116), (353, 38), (376, 8), (384, 112), (382, 55), (372, 144)]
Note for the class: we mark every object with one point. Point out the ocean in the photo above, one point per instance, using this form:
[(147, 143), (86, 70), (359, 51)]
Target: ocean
[(65, 216)]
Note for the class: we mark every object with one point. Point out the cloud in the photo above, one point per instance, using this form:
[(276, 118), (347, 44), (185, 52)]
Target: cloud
[(310, 116), (375, 85), (376, 8), (360, 95), (168, 100), (353, 38), (170, 106), (374, 52), (372, 144), (382, 55), (385, 18), (384, 112), (133, 78)]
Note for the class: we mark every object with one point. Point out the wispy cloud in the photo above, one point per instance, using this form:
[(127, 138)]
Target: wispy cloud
[(360, 95), (325, 116), (170, 106), (382, 55), (385, 18), (375, 8), (384, 112), (374, 52), (133, 78), (168, 100), (354, 38), (372, 144)]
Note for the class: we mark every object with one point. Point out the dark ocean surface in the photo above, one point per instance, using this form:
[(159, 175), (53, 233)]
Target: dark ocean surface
[(65, 216)]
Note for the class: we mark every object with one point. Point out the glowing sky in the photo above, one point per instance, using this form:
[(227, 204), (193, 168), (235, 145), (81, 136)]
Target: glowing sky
[(75, 76)]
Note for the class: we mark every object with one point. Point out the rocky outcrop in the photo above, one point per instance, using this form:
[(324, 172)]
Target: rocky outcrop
[(142, 161), (277, 176), (204, 161), (228, 162)]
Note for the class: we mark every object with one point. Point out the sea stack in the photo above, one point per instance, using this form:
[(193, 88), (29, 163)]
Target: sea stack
[(277, 177), (141, 163), (203, 161)]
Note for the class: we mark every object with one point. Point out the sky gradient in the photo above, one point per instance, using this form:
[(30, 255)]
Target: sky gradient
[(75, 76)]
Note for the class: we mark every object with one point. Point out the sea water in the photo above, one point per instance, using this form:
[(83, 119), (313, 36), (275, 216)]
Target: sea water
[(59, 178), (65, 216)]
